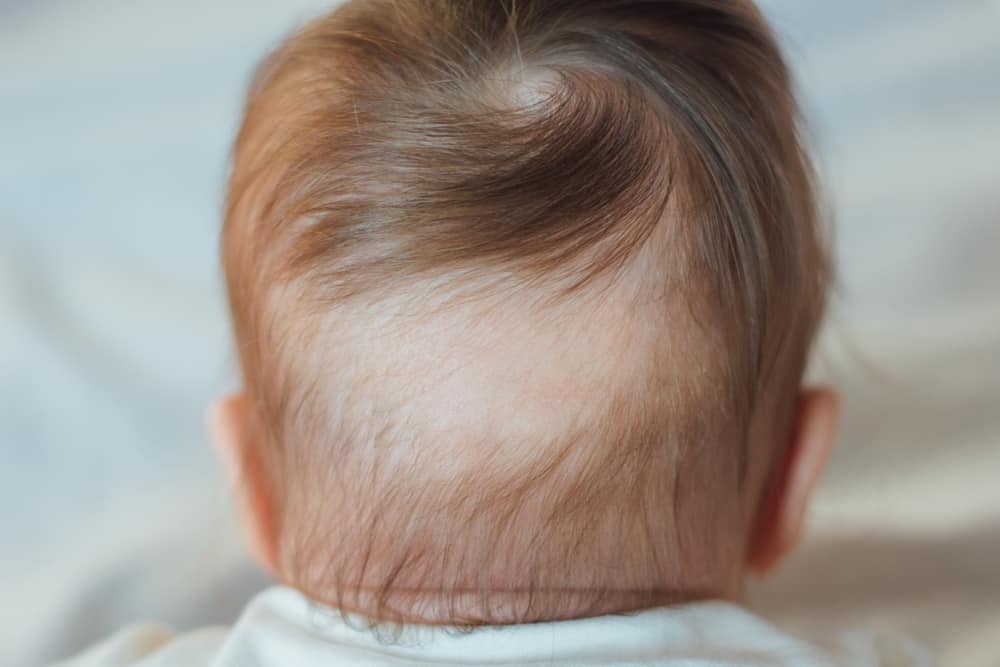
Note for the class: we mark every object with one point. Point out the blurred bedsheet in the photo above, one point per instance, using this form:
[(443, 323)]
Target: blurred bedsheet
[(115, 120)]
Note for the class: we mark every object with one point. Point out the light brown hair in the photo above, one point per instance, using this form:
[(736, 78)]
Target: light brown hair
[(494, 155)]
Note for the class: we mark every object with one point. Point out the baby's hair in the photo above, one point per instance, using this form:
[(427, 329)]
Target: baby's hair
[(406, 160)]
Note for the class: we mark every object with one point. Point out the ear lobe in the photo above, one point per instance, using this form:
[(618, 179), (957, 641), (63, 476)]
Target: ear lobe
[(238, 451), (782, 515)]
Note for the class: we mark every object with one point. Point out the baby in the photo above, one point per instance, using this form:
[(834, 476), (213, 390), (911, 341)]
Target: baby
[(522, 292)]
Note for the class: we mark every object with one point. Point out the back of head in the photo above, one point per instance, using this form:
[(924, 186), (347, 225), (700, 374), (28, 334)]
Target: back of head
[(523, 290)]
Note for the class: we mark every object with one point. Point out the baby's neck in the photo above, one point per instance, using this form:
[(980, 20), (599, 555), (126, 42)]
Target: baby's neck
[(507, 607), (500, 570)]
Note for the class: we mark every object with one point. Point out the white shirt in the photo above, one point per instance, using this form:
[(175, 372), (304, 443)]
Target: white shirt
[(281, 627)]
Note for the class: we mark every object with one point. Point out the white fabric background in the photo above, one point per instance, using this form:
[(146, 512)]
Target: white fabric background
[(115, 122)]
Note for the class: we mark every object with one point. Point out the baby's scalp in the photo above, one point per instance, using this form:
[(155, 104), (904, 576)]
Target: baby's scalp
[(508, 280)]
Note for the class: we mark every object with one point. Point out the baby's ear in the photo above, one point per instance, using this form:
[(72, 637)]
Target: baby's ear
[(239, 452), (226, 426), (782, 513)]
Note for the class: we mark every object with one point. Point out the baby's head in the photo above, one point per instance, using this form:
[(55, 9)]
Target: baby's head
[(523, 291)]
